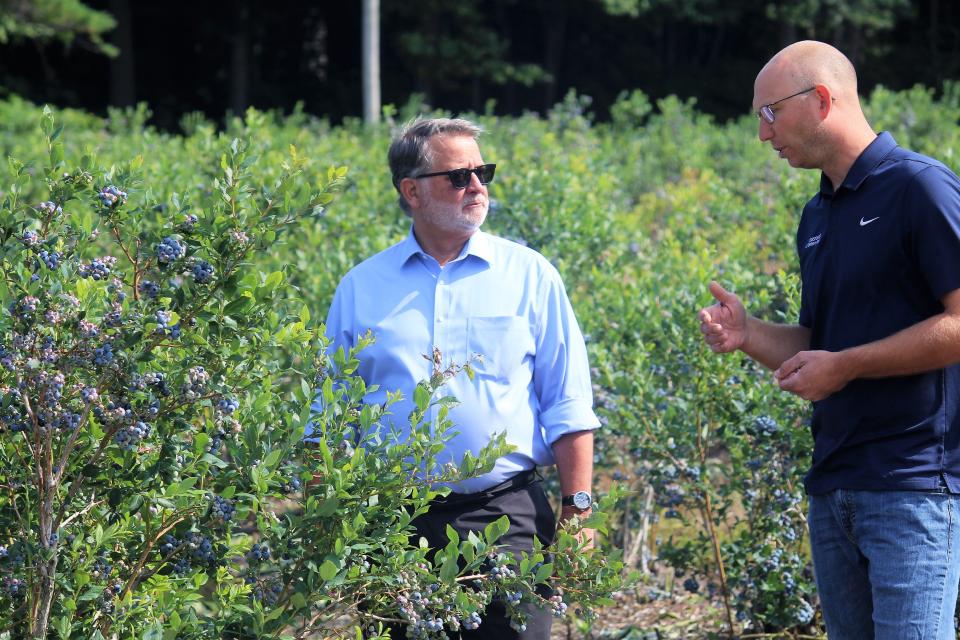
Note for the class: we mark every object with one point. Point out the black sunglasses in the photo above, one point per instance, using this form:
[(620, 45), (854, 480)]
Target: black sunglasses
[(460, 178)]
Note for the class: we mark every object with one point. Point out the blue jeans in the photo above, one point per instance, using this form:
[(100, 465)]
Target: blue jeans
[(887, 563)]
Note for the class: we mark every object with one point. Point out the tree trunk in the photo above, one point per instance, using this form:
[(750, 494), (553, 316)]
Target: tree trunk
[(123, 91), (371, 61)]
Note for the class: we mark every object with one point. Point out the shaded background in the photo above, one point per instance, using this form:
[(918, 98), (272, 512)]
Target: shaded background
[(470, 55)]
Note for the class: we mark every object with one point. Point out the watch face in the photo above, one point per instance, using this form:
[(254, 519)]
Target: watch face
[(582, 500)]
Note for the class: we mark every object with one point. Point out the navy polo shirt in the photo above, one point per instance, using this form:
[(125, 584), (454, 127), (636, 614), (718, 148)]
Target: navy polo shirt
[(876, 257)]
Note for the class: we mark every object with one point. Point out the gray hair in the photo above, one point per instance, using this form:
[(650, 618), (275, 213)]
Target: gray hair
[(410, 154)]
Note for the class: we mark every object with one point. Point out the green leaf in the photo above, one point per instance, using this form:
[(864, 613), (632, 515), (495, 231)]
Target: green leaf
[(273, 280), (271, 459), (155, 632), (544, 572), (495, 530), (421, 397), (328, 570), (449, 569)]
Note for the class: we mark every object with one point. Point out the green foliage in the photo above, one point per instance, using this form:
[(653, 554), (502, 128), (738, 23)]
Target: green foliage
[(60, 20)]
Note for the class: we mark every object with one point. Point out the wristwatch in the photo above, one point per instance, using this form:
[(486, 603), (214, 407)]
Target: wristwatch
[(582, 500)]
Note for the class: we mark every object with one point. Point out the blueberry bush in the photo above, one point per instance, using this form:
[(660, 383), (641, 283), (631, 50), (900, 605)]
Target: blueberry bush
[(159, 327), (156, 382)]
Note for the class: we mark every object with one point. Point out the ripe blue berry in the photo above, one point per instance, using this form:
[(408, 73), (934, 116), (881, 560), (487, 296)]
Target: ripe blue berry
[(149, 289), (169, 250), (203, 272), (112, 197)]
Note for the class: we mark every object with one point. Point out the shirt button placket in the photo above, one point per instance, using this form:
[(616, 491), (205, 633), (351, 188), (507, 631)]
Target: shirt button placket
[(440, 332)]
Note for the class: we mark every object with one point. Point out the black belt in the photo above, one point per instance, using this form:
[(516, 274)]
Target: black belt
[(519, 481)]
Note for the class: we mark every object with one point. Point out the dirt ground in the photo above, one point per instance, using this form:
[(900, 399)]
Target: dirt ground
[(638, 616)]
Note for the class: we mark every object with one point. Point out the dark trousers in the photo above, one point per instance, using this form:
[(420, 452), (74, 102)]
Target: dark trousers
[(524, 502)]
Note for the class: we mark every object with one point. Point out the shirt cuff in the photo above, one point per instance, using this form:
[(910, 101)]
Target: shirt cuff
[(568, 416)]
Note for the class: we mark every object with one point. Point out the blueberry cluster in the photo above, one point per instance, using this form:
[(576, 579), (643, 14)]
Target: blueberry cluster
[(103, 355), (258, 553), (50, 258), (222, 509), (266, 592), (128, 438), (202, 272), (101, 568), (69, 421), (149, 288), (764, 427), (14, 588), (30, 238), (168, 545), (518, 626), (472, 622), (691, 585), (189, 222), (671, 496), (112, 197), (196, 383), (109, 595), (98, 268), (193, 549), (152, 379), (49, 208), (291, 485), (558, 606), (227, 406), (88, 329), (169, 250), (27, 307)]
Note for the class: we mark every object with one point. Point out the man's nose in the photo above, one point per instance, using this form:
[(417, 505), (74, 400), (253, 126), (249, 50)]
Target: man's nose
[(764, 130), (474, 184)]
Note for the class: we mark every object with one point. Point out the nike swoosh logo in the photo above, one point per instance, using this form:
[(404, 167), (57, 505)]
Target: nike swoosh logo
[(864, 223)]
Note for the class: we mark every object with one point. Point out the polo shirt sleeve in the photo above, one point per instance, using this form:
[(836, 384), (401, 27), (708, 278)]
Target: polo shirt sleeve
[(561, 372), (934, 202)]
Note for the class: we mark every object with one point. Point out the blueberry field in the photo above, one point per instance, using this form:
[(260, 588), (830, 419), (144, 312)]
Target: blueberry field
[(161, 340)]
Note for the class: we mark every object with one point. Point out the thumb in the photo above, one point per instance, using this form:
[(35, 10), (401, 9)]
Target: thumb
[(722, 295)]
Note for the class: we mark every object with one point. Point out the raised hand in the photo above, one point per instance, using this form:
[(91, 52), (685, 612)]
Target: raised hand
[(724, 324)]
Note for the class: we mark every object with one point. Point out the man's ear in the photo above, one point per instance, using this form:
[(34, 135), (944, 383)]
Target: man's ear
[(410, 190), (825, 98)]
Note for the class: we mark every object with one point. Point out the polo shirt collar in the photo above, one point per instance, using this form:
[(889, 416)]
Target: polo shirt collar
[(478, 245), (865, 165)]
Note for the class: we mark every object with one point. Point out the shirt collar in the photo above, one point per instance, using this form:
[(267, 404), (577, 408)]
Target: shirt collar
[(864, 165), (478, 245)]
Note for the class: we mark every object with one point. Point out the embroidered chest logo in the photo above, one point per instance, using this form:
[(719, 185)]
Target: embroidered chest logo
[(813, 241), (864, 223)]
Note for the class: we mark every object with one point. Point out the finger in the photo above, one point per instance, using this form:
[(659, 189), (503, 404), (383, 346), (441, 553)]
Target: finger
[(722, 295), (788, 368)]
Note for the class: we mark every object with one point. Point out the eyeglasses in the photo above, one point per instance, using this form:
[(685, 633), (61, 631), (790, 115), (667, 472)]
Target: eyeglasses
[(766, 111), (460, 178)]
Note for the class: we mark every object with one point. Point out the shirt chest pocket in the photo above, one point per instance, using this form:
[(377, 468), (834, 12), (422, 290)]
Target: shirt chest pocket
[(505, 344)]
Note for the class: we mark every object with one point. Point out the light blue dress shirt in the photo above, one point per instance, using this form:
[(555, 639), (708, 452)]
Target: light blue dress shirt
[(498, 299)]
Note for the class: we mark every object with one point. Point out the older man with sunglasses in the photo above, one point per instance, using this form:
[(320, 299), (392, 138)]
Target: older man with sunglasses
[(876, 350), (448, 286)]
